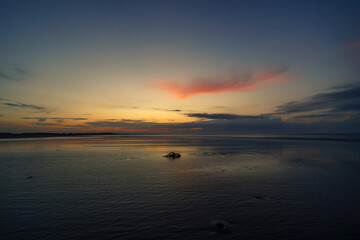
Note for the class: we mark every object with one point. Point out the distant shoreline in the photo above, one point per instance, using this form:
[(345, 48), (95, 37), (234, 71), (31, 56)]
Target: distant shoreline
[(41, 135), (353, 137)]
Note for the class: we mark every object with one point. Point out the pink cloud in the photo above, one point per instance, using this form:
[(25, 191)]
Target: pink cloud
[(223, 84)]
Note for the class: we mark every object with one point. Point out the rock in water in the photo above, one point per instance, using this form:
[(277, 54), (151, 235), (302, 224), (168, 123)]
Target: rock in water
[(172, 155), (220, 226)]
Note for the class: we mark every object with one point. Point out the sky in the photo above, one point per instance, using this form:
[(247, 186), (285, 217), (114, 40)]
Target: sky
[(179, 66)]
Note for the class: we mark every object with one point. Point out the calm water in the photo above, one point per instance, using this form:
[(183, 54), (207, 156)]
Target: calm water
[(111, 187)]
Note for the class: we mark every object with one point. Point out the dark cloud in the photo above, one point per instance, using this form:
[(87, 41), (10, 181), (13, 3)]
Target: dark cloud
[(60, 119), (74, 126), (60, 125), (17, 74), (333, 115), (348, 107), (342, 87), (40, 119), (21, 71), (167, 110), (44, 124), (222, 116), (57, 119), (131, 121), (26, 106), (8, 77), (340, 100)]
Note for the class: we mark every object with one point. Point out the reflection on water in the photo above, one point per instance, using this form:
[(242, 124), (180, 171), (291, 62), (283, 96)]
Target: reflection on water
[(115, 187)]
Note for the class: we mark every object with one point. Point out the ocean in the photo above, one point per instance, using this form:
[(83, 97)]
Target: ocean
[(222, 187)]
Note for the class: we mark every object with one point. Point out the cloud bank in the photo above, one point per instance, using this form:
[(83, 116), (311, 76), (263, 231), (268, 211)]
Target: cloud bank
[(26, 106), (57, 119), (339, 101), (334, 110), (222, 116), (18, 105)]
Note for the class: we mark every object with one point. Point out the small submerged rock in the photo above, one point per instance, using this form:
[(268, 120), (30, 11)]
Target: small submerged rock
[(29, 177), (172, 155), (220, 226)]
